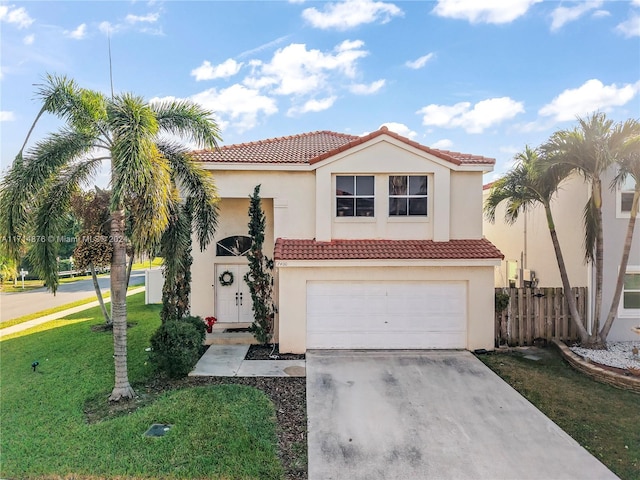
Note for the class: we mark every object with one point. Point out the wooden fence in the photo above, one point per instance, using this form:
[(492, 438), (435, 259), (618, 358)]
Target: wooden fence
[(538, 313)]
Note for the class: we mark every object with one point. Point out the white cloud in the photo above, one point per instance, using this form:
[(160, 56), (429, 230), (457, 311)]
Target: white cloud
[(350, 14), (399, 128), (149, 18), (630, 27), (79, 33), (591, 96), (6, 116), (444, 144), (206, 71), (107, 28), (17, 16), (313, 105), (562, 15), (483, 115), (237, 105), (486, 11), (420, 62), (29, 39), (363, 89), (294, 70)]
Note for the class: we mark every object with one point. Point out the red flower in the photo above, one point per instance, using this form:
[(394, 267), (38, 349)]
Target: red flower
[(210, 321)]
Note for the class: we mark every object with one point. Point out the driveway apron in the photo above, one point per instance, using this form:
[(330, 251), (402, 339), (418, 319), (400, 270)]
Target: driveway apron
[(414, 415)]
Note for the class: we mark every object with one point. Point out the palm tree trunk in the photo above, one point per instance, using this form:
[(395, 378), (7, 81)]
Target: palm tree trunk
[(96, 285), (129, 267), (571, 300), (122, 388), (604, 333), (596, 339)]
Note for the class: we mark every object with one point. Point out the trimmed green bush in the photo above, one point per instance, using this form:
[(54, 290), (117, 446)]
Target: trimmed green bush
[(175, 348), (199, 325)]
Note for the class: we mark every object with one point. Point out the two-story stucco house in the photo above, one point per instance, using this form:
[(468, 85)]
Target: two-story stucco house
[(529, 258), (377, 242)]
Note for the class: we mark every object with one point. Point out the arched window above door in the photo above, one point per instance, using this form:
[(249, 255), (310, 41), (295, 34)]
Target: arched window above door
[(236, 246)]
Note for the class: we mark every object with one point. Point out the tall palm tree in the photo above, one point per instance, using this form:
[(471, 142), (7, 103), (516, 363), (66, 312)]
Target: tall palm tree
[(590, 150), (529, 183), (626, 138), (123, 130)]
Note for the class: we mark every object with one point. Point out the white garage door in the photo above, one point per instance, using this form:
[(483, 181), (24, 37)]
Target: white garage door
[(386, 315)]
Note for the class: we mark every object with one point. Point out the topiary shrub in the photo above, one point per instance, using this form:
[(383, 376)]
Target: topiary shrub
[(175, 348), (199, 324)]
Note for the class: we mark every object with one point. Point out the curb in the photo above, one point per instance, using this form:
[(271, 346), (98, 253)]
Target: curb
[(55, 316), (595, 372)]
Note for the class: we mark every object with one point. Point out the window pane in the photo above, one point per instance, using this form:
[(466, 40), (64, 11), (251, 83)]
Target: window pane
[(631, 300), (418, 206), (397, 185), (626, 199), (344, 207), (364, 207), (233, 246), (632, 281), (418, 185), (344, 185), (397, 206), (364, 185)]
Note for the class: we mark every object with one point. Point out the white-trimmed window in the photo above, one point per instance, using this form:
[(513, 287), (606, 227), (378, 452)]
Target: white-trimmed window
[(630, 299), (408, 195), (355, 196), (624, 197)]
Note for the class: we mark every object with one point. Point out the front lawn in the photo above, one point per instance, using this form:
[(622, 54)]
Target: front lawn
[(603, 419), (221, 431)]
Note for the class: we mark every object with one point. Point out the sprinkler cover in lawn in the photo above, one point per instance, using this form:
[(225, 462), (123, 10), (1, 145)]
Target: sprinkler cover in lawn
[(157, 430)]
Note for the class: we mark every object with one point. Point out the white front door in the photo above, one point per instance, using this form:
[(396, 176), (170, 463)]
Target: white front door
[(233, 302)]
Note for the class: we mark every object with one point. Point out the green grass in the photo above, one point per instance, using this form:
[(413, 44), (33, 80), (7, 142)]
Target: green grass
[(603, 419), (156, 262), (222, 432), (66, 306)]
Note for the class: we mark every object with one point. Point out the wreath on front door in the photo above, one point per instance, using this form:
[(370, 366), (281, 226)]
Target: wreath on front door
[(225, 278)]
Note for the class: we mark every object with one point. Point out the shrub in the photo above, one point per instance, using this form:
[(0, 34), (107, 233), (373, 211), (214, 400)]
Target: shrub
[(199, 325), (175, 348), (502, 301)]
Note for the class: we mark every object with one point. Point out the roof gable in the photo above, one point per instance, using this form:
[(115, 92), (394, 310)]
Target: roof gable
[(311, 148)]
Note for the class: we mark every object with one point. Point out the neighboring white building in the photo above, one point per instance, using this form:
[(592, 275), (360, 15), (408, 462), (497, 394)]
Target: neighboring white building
[(377, 242), (529, 258)]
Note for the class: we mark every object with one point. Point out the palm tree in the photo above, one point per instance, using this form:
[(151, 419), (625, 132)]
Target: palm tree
[(528, 183), (124, 131), (626, 137), (590, 150)]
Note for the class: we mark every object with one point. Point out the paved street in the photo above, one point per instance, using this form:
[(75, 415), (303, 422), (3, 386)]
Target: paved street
[(13, 305)]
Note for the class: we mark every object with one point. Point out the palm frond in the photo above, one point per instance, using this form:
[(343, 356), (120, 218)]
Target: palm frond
[(133, 126), (590, 221), (189, 121), (51, 217), (198, 187)]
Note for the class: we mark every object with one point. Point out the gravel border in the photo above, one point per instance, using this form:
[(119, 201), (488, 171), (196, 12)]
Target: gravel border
[(617, 354)]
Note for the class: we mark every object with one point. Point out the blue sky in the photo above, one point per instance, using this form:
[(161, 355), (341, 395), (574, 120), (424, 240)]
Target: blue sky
[(477, 76)]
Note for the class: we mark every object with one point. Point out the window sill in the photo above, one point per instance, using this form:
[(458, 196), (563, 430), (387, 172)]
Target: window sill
[(355, 219), (408, 219)]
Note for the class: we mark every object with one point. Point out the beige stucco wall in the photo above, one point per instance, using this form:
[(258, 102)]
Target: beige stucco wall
[(233, 220), (466, 205), (292, 299), (567, 208)]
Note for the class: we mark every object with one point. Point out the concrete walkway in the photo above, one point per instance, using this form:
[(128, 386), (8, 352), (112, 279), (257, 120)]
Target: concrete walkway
[(20, 327), (228, 361)]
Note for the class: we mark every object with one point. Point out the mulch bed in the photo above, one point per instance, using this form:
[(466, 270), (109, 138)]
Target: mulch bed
[(263, 352), (288, 395)]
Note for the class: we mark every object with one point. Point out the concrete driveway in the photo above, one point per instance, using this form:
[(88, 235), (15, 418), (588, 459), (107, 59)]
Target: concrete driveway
[(411, 415)]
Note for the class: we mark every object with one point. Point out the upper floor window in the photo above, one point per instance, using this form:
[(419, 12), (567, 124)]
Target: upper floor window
[(407, 195), (625, 197), (235, 246), (355, 196)]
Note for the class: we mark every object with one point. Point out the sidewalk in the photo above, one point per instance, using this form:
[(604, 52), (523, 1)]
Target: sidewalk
[(228, 361), (54, 316)]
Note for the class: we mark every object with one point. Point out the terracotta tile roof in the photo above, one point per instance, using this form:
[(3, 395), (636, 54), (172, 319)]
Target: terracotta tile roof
[(310, 148), (288, 249)]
